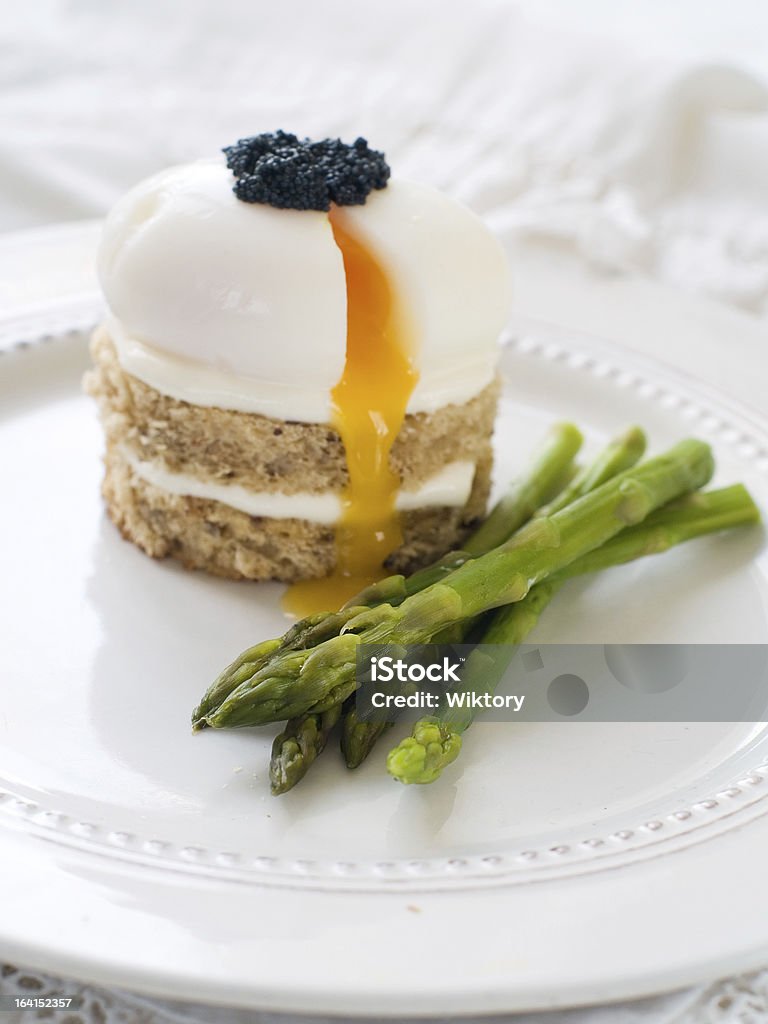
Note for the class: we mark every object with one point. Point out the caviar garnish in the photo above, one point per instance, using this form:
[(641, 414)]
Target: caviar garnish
[(281, 170)]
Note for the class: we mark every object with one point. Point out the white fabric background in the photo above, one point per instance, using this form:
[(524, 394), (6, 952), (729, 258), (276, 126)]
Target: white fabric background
[(635, 135), (631, 137)]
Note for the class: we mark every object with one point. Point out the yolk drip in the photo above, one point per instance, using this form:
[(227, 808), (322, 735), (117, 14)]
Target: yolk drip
[(369, 409)]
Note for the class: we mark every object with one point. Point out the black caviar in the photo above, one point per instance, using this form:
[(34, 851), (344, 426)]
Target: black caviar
[(281, 170)]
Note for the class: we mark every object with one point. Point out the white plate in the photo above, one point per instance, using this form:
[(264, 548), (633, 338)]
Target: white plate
[(552, 864)]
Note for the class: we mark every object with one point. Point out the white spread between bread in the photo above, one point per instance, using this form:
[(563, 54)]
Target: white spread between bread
[(449, 488)]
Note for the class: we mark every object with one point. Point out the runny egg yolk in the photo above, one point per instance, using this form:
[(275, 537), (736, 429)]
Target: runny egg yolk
[(369, 409)]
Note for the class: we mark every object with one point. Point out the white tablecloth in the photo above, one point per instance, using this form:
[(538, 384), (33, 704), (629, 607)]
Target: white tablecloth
[(596, 143), (738, 1001)]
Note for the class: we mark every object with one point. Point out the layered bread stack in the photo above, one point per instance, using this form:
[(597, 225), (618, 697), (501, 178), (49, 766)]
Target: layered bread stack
[(291, 393)]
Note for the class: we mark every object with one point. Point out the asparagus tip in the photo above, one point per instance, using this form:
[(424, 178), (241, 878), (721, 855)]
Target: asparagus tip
[(421, 757)]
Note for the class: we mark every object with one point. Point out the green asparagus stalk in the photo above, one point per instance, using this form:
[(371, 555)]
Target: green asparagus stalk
[(359, 736), (543, 479), (544, 546), (304, 634), (297, 746), (435, 741), (296, 682), (545, 476), (242, 668), (686, 518), (620, 454)]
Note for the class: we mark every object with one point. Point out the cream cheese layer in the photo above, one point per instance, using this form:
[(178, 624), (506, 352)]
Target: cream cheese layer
[(198, 383), (450, 488)]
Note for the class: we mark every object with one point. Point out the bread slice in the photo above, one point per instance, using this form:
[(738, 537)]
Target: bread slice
[(273, 456)]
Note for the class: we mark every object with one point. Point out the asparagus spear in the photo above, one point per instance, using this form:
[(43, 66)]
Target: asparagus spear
[(306, 633), (360, 736), (545, 476), (542, 547), (242, 668), (435, 741), (296, 682), (693, 515), (543, 479), (297, 746), (621, 453)]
